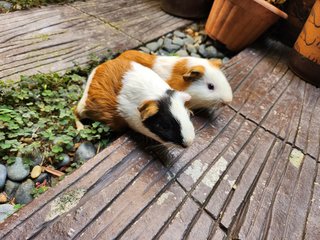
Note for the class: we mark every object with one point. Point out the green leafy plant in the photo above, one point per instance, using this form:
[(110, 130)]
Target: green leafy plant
[(36, 192), (36, 116)]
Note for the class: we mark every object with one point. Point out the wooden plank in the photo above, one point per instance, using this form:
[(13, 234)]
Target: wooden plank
[(13, 227), (201, 229), (98, 197), (227, 185), (142, 20), (217, 171), (180, 223), (53, 40), (312, 226)]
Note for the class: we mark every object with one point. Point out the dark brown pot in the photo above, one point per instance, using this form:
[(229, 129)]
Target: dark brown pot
[(305, 60), (187, 8)]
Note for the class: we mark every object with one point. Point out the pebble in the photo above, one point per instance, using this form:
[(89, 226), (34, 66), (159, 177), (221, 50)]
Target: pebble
[(64, 162), (225, 60), (36, 171), (169, 35), (6, 6), (153, 46), (6, 210), (191, 48), (3, 198), (195, 55), (211, 52), (144, 49), (11, 188), (3, 176), (178, 41), (162, 52), (23, 194), (18, 171), (188, 40), (179, 34), (37, 160), (202, 50), (182, 53), (169, 46), (42, 177), (84, 152), (160, 42), (194, 27)]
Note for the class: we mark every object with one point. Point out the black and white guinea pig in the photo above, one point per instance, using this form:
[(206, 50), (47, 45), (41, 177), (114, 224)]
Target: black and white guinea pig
[(124, 93), (201, 78)]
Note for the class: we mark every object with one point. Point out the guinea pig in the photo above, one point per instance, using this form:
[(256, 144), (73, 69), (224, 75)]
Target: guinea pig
[(124, 93), (201, 78)]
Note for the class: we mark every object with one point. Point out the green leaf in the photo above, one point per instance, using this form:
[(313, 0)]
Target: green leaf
[(57, 149)]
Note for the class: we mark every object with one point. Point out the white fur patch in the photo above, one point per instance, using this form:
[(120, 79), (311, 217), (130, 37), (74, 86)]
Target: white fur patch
[(82, 103), (139, 84), (180, 113), (163, 66)]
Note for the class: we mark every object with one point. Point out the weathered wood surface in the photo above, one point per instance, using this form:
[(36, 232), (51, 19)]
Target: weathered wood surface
[(252, 173), (54, 38)]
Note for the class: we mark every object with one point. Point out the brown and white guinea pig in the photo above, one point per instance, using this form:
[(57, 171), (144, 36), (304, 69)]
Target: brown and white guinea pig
[(124, 93), (201, 78)]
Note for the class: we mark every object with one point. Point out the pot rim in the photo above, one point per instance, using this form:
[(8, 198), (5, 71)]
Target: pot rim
[(272, 8)]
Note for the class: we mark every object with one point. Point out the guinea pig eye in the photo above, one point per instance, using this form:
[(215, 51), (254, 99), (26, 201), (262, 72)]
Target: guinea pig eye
[(210, 86)]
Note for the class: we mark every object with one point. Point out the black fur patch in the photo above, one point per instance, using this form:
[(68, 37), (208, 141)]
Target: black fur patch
[(163, 124)]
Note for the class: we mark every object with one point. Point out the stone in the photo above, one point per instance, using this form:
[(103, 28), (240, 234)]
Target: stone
[(84, 152), (18, 171), (169, 46), (153, 46), (11, 188), (211, 52), (144, 49), (36, 171), (194, 27), (179, 34), (225, 60), (178, 41), (162, 52), (3, 176), (5, 6), (202, 50), (5, 211), (42, 177), (182, 53), (160, 42), (191, 48), (169, 35), (188, 40), (3, 198), (36, 160), (64, 162), (23, 194), (195, 55)]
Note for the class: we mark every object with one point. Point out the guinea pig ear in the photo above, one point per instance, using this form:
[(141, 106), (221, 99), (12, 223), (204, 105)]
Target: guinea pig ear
[(216, 62), (147, 109), (184, 96), (194, 73)]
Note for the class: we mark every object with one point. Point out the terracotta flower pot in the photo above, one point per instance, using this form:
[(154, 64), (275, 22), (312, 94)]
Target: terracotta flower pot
[(237, 23), (305, 59)]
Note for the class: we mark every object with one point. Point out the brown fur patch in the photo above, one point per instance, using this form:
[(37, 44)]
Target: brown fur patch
[(148, 109), (194, 73), (101, 103), (176, 80), (216, 62), (144, 59)]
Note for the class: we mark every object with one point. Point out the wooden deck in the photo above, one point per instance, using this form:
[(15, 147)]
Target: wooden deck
[(54, 38), (252, 173)]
